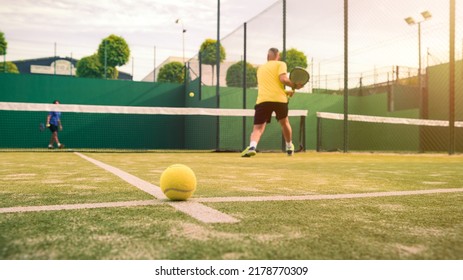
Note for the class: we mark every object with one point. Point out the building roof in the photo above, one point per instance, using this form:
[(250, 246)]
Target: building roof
[(55, 66)]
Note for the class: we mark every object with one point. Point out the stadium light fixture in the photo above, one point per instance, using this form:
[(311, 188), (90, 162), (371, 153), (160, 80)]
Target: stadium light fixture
[(410, 21), (426, 15), (180, 21)]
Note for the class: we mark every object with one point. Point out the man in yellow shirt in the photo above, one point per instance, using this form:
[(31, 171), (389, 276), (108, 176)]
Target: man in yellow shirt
[(272, 97)]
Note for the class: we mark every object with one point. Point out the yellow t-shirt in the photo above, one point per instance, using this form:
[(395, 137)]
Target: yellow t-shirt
[(269, 87)]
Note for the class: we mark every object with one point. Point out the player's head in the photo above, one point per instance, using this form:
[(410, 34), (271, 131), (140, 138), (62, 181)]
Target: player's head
[(273, 54), (56, 102)]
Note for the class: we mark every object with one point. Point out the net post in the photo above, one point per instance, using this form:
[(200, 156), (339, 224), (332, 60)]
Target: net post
[(319, 133), (302, 134)]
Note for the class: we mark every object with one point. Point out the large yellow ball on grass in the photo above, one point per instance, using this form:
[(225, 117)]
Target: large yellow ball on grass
[(178, 182)]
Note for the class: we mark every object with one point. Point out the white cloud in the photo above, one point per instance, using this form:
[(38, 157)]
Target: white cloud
[(32, 27)]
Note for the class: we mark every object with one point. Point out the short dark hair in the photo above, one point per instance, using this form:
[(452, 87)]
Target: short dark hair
[(55, 101), (274, 50)]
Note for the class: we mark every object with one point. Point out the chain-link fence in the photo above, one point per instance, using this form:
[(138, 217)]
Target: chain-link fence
[(398, 55)]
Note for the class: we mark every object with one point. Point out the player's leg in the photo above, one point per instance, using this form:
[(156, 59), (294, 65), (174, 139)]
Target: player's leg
[(53, 136), (58, 143), (286, 129), (262, 115), (257, 131), (282, 116)]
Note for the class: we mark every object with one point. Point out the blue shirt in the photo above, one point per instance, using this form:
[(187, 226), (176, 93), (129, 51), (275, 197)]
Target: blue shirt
[(55, 117)]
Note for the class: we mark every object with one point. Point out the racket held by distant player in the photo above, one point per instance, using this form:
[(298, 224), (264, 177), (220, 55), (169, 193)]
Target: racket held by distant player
[(299, 76)]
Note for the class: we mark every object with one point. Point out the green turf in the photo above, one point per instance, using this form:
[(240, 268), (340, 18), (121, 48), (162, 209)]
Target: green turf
[(58, 178), (227, 174), (403, 227)]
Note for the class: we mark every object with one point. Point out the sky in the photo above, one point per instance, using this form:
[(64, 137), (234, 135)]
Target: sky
[(378, 34), (32, 27)]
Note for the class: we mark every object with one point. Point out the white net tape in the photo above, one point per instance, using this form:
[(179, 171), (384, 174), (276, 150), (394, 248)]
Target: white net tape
[(17, 106), (388, 120)]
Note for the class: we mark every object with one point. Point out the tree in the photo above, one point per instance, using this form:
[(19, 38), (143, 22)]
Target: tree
[(235, 75), (115, 50), (3, 44), (90, 67), (295, 58), (10, 67), (172, 72), (208, 52)]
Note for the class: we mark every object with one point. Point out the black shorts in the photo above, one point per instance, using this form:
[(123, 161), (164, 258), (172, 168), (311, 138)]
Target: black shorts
[(263, 113), (53, 128)]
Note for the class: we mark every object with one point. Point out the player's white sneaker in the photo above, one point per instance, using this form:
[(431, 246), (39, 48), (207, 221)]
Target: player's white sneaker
[(290, 150), (249, 152)]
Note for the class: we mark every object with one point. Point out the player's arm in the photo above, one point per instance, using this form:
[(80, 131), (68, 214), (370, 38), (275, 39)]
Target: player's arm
[(48, 120), (60, 125)]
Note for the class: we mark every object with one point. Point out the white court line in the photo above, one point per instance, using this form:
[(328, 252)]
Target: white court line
[(78, 206), (129, 178), (202, 212), (193, 206), (322, 196), (194, 209), (210, 215)]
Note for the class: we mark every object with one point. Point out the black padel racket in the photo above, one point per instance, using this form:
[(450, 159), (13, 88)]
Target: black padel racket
[(299, 76)]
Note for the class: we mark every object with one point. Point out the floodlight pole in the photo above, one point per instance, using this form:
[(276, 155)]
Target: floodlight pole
[(154, 65), (54, 63), (421, 106), (410, 21), (183, 37)]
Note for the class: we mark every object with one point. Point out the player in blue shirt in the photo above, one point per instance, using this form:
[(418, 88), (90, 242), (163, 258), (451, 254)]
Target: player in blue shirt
[(54, 123)]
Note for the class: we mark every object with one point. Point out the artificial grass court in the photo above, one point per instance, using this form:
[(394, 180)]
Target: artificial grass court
[(409, 225)]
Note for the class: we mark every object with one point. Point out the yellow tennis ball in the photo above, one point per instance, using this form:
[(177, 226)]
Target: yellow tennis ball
[(192, 94), (178, 182)]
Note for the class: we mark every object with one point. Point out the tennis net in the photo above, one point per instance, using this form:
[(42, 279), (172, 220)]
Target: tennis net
[(97, 127), (373, 133)]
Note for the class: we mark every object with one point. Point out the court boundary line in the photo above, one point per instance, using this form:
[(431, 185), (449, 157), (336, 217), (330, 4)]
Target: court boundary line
[(194, 209), (324, 196), (20, 209), (195, 201)]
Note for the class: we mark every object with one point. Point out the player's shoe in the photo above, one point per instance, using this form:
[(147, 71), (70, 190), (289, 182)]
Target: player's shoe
[(50, 146), (61, 146), (249, 152), (290, 150)]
